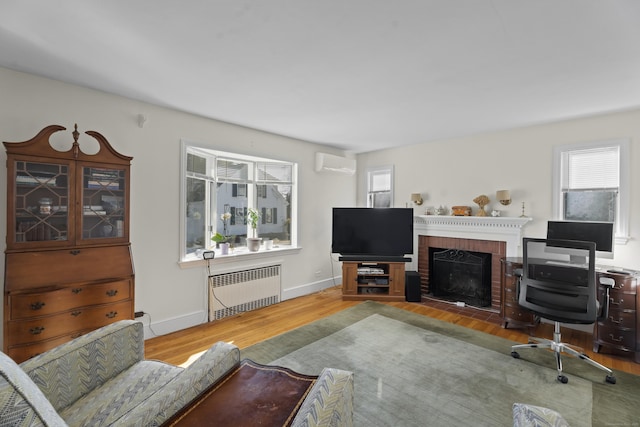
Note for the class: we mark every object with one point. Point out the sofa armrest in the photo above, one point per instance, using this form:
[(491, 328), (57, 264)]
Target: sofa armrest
[(330, 401), (21, 401), (211, 366), (71, 370)]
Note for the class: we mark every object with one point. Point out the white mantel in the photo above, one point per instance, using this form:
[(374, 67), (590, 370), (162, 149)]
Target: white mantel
[(504, 229)]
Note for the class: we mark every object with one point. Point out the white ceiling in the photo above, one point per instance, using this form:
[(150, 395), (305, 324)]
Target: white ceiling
[(360, 75)]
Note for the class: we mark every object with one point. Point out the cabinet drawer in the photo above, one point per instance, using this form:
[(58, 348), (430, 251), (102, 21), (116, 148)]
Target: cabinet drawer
[(44, 303), (24, 352), (47, 327), (30, 270), (619, 337)]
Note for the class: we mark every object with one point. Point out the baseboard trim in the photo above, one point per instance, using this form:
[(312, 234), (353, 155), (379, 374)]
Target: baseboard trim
[(309, 288), (163, 327)]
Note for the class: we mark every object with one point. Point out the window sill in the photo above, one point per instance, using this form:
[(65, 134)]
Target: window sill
[(238, 255), (622, 240)]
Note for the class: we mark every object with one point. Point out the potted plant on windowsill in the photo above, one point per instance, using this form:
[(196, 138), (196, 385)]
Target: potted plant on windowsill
[(223, 240), (253, 242)]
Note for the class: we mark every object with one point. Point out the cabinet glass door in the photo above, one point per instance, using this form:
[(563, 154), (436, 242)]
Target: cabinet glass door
[(41, 202), (103, 203)]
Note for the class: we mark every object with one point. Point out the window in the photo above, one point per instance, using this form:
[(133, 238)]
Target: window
[(220, 187), (591, 183), (380, 187)]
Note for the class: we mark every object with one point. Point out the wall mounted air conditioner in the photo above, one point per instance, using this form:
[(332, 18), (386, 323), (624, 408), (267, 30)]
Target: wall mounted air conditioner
[(329, 163)]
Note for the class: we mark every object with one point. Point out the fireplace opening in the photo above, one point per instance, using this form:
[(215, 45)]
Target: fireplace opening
[(458, 275)]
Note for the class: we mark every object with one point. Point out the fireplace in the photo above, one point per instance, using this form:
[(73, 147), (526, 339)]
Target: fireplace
[(496, 251), (498, 236), (458, 275)]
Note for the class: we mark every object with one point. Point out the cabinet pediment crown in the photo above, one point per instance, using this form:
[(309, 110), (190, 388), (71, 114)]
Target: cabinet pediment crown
[(40, 145)]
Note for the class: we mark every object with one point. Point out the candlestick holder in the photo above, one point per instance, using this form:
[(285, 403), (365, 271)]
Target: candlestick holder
[(523, 215)]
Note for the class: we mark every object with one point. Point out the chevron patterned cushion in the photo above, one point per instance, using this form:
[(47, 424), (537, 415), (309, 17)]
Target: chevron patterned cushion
[(536, 416), (125, 392), (70, 371), (21, 401)]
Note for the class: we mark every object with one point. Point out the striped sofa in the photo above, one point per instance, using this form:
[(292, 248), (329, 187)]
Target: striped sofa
[(102, 379)]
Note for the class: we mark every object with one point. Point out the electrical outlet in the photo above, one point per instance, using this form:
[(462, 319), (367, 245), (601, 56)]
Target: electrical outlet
[(138, 314)]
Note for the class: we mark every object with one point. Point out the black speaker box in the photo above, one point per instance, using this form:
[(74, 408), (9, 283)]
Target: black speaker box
[(412, 289)]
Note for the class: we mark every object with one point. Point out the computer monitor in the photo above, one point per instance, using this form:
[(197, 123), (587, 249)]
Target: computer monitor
[(601, 233)]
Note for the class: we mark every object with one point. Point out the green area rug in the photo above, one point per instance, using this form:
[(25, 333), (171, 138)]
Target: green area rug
[(411, 370)]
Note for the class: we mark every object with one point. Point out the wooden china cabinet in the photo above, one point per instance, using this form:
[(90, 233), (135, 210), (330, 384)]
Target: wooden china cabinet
[(68, 264)]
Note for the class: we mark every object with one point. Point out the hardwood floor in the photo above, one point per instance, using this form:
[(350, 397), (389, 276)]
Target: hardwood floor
[(252, 327)]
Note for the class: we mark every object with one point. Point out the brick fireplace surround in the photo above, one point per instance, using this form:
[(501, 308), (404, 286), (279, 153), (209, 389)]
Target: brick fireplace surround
[(501, 237)]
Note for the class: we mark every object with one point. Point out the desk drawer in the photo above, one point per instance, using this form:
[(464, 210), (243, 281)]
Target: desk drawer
[(624, 338), (510, 297), (620, 319), (621, 301), (517, 313)]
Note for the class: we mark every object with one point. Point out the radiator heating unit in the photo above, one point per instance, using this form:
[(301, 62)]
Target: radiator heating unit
[(239, 291)]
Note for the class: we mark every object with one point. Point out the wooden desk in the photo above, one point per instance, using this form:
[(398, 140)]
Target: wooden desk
[(619, 333)]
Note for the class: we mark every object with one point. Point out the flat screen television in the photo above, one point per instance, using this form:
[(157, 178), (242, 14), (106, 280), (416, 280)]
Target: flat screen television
[(372, 233), (601, 233)]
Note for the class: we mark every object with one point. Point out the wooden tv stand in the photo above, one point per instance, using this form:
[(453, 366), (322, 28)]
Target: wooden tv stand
[(373, 280)]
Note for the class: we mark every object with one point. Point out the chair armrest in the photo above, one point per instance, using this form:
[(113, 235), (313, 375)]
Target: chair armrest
[(73, 369), (211, 366), (330, 401), (21, 400), (607, 284)]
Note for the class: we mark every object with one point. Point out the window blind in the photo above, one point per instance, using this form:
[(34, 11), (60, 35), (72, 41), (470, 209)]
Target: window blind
[(593, 168)]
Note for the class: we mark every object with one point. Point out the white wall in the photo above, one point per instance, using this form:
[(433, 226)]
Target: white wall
[(174, 296), (454, 172), (450, 172)]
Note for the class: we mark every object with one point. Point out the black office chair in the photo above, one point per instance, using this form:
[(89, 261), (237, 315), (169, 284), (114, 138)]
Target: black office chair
[(558, 283)]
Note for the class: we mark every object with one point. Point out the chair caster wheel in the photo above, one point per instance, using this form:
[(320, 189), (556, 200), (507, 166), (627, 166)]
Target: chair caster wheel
[(515, 355), (563, 379), (610, 379)]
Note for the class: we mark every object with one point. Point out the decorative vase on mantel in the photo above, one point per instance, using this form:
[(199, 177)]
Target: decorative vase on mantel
[(482, 201)]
